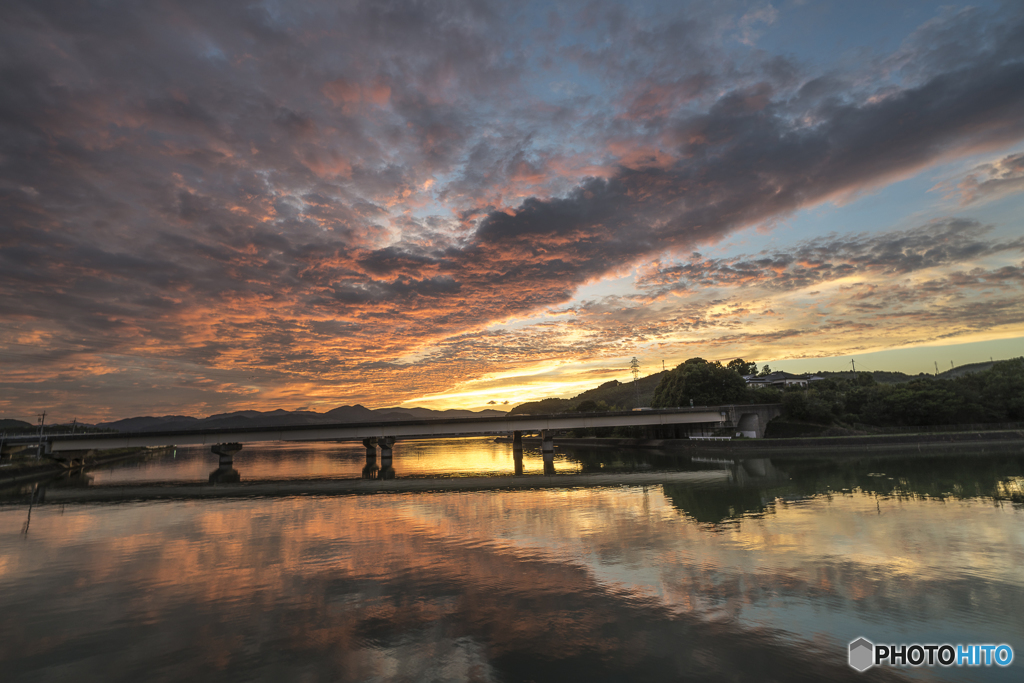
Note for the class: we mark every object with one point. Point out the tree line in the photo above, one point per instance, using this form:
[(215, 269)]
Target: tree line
[(993, 395), (841, 399)]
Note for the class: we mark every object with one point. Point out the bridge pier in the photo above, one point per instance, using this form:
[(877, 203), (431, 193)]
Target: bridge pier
[(225, 472), (386, 470), (547, 449), (517, 451), (370, 470), (547, 441), (750, 421), (549, 463)]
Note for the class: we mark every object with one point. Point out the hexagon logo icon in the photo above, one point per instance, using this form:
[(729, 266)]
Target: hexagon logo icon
[(862, 654)]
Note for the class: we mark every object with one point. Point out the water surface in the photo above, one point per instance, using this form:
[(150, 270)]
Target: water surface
[(768, 578)]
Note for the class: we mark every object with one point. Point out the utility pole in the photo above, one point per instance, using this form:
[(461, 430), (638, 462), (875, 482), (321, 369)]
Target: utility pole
[(42, 421), (936, 368), (853, 364), (634, 366)]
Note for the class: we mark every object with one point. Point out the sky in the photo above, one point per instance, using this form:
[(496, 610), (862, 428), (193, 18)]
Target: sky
[(216, 206)]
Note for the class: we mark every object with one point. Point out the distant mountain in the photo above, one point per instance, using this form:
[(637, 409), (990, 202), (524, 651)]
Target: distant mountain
[(428, 414), (968, 369), (895, 377), (881, 376), (247, 419), (152, 424), (14, 426), (355, 413)]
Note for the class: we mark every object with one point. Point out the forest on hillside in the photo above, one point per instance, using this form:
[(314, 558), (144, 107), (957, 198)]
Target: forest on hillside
[(990, 396), (844, 401)]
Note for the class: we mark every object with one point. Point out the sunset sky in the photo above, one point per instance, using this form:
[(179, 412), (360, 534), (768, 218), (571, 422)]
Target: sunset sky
[(215, 206)]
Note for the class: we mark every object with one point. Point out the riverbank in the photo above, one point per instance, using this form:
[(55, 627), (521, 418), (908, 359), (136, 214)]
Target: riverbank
[(31, 470), (810, 446), (274, 489)]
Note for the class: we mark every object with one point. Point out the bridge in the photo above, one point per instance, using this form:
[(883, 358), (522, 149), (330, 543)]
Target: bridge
[(748, 420)]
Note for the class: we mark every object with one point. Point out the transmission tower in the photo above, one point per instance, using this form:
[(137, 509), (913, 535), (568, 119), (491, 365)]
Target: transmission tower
[(634, 366)]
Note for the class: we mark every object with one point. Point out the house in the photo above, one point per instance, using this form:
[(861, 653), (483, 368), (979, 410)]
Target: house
[(779, 380)]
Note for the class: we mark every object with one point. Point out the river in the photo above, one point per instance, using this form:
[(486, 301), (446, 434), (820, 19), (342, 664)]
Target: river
[(766, 577)]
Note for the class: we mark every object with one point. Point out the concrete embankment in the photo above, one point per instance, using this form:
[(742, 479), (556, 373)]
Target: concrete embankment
[(97, 494), (24, 471), (1003, 441)]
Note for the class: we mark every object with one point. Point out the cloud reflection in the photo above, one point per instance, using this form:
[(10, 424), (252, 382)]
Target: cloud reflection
[(539, 583)]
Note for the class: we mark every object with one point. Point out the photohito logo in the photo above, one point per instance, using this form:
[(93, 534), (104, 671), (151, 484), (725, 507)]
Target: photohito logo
[(864, 654)]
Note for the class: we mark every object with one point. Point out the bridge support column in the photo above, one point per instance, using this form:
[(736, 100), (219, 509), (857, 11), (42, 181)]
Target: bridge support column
[(749, 426), (370, 470), (517, 451), (226, 472), (547, 442), (547, 448), (386, 470)]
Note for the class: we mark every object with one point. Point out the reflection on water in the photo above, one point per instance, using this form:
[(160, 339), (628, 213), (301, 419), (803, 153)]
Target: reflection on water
[(479, 456), (767, 579)]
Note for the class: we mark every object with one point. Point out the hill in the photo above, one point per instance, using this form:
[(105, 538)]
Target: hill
[(14, 426), (615, 395), (889, 377), (968, 369), (982, 393), (880, 376)]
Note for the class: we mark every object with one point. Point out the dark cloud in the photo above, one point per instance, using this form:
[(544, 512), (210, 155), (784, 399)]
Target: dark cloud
[(743, 163), (223, 184)]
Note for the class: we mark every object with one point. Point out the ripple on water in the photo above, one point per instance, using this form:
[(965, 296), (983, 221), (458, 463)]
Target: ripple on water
[(614, 583)]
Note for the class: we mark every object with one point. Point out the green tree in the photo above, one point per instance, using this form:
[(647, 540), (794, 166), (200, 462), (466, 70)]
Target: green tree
[(807, 406), (865, 379), (743, 367), (702, 382), (591, 406), (1001, 388)]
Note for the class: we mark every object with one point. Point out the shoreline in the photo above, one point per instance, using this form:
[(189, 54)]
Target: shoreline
[(15, 473), (838, 444), (332, 487)]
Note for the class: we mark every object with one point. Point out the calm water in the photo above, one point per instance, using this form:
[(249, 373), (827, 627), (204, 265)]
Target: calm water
[(764, 579)]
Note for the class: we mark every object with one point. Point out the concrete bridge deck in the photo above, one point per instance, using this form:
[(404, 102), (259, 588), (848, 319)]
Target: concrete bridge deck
[(726, 415)]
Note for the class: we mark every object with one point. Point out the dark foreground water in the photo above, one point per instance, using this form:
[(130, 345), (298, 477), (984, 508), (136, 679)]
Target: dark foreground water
[(766, 578)]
